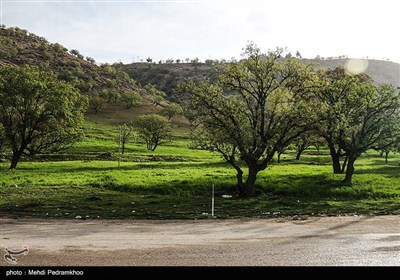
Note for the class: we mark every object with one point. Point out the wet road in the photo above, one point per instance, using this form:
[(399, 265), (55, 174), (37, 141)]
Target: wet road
[(332, 241)]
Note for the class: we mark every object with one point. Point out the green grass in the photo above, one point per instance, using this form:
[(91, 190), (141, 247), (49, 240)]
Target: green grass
[(174, 182)]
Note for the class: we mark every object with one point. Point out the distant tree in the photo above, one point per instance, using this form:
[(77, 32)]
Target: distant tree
[(298, 55), (154, 95), (288, 55), (76, 53), (109, 95), (149, 60), (195, 60), (127, 134), (131, 99), (169, 61), (96, 101), (38, 112), (209, 61), (187, 60), (178, 61), (154, 129), (91, 60), (306, 140), (172, 110)]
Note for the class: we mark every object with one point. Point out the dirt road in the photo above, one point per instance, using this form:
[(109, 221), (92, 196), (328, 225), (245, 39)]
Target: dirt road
[(240, 242)]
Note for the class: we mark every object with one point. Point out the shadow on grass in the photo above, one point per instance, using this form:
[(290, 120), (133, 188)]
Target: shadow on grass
[(390, 170)]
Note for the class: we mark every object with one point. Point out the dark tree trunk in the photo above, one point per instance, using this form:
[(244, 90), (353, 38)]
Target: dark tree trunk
[(239, 177), (249, 188), (299, 152), (344, 165), (279, 157), (335, 159), (349, 171), (15, 159), (386, 156), (123, 147)]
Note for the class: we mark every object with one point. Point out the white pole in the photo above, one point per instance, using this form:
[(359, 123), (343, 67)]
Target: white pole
[(212, 201), (119, 146)]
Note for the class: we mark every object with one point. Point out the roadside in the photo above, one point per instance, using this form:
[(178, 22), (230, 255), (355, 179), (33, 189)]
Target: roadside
[(355, 240)]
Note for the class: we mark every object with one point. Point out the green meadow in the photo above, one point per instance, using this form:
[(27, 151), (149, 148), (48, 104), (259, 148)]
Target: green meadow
[(175, 182)]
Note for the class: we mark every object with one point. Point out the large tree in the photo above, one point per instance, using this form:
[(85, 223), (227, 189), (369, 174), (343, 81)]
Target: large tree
[(336, 96), (38, 112), (356, 116), (256, 107)]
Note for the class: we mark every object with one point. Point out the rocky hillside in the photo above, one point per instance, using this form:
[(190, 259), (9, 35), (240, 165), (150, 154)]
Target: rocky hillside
[(19, 47)]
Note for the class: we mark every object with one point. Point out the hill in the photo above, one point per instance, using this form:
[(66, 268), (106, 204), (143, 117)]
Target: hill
[(167, 75), (19, 47)]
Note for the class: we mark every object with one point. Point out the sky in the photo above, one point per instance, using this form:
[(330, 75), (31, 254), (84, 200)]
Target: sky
[(128, 31)]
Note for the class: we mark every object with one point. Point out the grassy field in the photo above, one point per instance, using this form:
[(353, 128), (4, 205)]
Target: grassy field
[(175, 182)]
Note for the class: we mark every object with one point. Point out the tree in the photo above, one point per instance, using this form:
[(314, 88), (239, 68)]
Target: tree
[(172, 110), (38, 112), (154, 95), (131, 99), (336, 89), (127, 134), (153, 129), (304, 141), (357, 116), (257, 106), (96, 102)]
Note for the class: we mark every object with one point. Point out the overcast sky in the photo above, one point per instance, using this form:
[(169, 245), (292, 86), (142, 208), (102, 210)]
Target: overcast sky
[(111, 31)]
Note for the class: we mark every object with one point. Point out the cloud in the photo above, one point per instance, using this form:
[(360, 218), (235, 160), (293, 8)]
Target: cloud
[(109, 31)]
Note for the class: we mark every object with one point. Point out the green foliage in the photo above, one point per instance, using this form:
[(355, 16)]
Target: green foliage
[(153, 129), (172, 110), (356, 115), (258, 106), (131, 99), (38, 113), (96, 101), (18, 47), (127, 134)]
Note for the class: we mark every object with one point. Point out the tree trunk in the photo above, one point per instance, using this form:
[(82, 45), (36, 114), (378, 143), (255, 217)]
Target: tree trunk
[(239, 177), (279, 157), (349, 171), (344, 165), (299, 152), (123, 147), (249, 188), (335, 160), (15, 159), (386, 156)]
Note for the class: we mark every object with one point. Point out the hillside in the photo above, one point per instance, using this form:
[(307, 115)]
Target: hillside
[(382, 72), (19, 47), (167, 75)]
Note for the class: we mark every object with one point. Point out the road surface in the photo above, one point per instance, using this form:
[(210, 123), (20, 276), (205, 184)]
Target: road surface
[(307, 241)]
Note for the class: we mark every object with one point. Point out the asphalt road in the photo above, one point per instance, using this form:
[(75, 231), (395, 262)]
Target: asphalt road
[(310, 241)]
